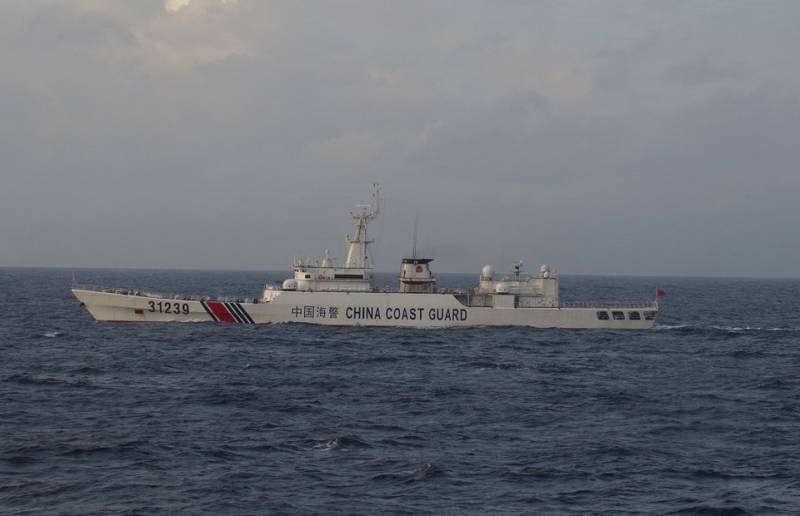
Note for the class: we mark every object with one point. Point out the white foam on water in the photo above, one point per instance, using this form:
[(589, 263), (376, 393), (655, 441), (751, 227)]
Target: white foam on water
[(739, 329), (735, 329), (729, 329), (670, 327)]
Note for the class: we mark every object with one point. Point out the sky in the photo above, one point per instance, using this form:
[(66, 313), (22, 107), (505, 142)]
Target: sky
[(613, 137)]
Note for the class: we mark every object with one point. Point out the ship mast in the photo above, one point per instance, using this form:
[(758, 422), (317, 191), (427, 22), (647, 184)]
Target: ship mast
[(358, 247), (414, 250)]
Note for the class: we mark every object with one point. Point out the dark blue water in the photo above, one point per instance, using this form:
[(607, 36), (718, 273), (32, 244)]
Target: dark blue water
[(698, 416)]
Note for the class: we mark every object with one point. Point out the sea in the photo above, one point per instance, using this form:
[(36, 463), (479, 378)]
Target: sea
[(700, 415)]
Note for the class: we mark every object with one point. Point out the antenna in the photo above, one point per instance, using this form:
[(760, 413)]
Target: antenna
[(377, 199), (414, 249)]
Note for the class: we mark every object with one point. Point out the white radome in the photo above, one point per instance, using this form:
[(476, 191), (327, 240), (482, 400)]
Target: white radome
[(324, 292)]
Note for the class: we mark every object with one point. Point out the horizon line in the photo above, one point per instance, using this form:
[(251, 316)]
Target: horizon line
[(191, 269)]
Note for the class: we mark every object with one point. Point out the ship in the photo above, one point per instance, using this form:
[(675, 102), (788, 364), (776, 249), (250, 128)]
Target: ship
[(324, 292)]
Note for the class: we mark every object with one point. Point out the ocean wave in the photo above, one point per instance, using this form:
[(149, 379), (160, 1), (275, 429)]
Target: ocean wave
[(344, 442), (743, 328), (545, 473), (427, 470), (667, 327), (481, 364), (709, 510), (50, 381), (20, 460), (736, 329), (420, 472)]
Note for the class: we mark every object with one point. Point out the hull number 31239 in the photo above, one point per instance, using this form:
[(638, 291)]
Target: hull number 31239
[(168, 307)]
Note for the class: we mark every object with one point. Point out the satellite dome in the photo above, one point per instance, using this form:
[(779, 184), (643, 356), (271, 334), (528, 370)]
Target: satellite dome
[(290, 284), (487, 272)]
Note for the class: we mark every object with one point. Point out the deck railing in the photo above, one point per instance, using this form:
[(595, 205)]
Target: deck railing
[(142, 293), (610, 304)]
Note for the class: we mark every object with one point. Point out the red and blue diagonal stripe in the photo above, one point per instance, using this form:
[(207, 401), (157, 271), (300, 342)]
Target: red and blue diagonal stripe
[(224, 311)]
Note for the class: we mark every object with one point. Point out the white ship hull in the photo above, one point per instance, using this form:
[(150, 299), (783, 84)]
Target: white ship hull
[(390, 309)]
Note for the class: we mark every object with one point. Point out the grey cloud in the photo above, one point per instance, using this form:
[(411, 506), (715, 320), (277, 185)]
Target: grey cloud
[(701, 71), (620, 137)]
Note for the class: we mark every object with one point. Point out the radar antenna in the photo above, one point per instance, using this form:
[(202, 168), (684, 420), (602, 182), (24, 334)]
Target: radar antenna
[(517, 268)]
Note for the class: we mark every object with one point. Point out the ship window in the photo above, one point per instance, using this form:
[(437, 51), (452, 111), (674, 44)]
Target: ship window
[(603, 316), (634, 316), (308, 276), (618, 316), (649, 315)]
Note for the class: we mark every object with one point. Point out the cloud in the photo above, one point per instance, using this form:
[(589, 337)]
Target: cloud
[(700, 71), (603, 138), (177, 5)]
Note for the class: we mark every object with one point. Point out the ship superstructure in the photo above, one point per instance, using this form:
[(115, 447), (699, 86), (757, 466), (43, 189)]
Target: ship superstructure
[(321, 291), (321, 274)]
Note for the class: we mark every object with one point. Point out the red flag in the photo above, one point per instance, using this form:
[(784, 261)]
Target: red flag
[(660, 293)]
